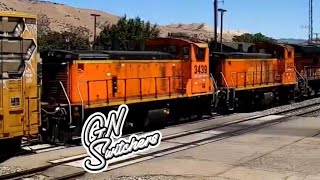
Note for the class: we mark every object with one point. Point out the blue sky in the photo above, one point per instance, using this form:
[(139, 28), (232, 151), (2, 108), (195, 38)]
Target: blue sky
[(275, 18)]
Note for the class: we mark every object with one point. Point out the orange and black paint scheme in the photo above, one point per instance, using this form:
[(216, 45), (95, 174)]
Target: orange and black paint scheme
[(168, 80), (265, 75), (307, 64)]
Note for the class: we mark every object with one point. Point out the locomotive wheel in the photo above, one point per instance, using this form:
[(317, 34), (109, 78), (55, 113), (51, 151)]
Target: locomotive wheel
[(151, 120), (9, 148), (223, 109)]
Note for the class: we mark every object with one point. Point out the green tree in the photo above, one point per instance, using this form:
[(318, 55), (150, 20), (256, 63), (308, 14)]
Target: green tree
[(253, 38), (76, 39), (64, 40), (127, 34)]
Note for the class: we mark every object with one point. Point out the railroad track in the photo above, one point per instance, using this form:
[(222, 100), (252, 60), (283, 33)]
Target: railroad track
[(184, 140), (41, 148), (38, 148)]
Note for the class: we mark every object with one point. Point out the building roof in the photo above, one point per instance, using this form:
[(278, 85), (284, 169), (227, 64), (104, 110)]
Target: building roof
[(17, 14)]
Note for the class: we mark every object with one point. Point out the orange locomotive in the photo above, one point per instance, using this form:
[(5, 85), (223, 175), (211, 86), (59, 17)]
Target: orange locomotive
[(172, 76), (307, 63), (250, 80)]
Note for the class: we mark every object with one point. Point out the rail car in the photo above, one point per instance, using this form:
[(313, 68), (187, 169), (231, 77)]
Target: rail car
[(168, 80), (254, 80), (19, 93), (307, 64)]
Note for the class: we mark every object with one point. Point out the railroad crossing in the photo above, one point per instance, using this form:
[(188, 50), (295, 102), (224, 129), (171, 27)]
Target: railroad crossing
[(278, 143)]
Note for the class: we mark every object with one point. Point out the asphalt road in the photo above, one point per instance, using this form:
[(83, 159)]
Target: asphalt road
[(289, 150)]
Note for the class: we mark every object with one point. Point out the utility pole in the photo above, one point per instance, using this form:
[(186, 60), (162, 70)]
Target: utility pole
[(310, 21), (215, 7), (215, 28), (222, 11), (95, 28)]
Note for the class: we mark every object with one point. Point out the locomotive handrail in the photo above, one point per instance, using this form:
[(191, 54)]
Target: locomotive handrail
[(254, 76), (125, 86), (225, 80), (312, 74), (65, 93), (82, 104), (299, 74), (215, 86), (305, 80)]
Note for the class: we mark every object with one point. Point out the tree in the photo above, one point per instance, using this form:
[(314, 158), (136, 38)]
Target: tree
[(43, 24), (127, 34), (43, 29), (70, 39), (64, 40), (253, 38)]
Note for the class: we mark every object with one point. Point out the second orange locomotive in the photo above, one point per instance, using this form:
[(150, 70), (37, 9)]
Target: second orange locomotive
[(264, 76)]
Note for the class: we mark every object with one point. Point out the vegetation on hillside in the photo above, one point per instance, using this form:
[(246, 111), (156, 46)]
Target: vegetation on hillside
[(253, 38), (125, 35), (72, 38)]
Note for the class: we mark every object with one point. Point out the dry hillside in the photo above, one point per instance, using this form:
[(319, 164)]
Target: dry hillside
[(60, 15)]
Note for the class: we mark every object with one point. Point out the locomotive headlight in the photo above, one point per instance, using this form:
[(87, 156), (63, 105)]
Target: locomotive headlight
[(166, 111), (57, 109), (76, 112)]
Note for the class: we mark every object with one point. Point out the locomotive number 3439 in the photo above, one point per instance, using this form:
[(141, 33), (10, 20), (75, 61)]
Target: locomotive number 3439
[(200, 69)]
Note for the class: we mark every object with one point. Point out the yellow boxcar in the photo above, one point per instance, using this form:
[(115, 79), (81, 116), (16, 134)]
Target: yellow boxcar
[(19, 97)]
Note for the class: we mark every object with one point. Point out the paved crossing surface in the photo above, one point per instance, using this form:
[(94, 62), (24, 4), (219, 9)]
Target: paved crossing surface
[(290, 150)]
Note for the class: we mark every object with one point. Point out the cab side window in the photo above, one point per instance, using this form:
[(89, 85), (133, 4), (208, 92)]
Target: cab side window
[(186, 53), (290, 54), (200, 54)]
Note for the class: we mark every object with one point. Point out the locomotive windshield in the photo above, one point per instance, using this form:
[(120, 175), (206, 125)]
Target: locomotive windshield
[(13, 55)]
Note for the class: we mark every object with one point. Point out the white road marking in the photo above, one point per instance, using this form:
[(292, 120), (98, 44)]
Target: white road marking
[(190, 138), (68, 158)]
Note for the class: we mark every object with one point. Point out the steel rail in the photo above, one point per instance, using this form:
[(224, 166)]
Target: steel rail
[(31, 172)]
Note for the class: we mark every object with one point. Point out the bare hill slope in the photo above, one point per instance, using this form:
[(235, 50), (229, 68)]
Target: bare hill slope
[(60, 15)]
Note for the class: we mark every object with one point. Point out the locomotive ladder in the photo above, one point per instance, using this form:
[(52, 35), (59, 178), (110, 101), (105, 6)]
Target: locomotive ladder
[(228, 92), (305, 84), (69, 103), (214, 90)]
